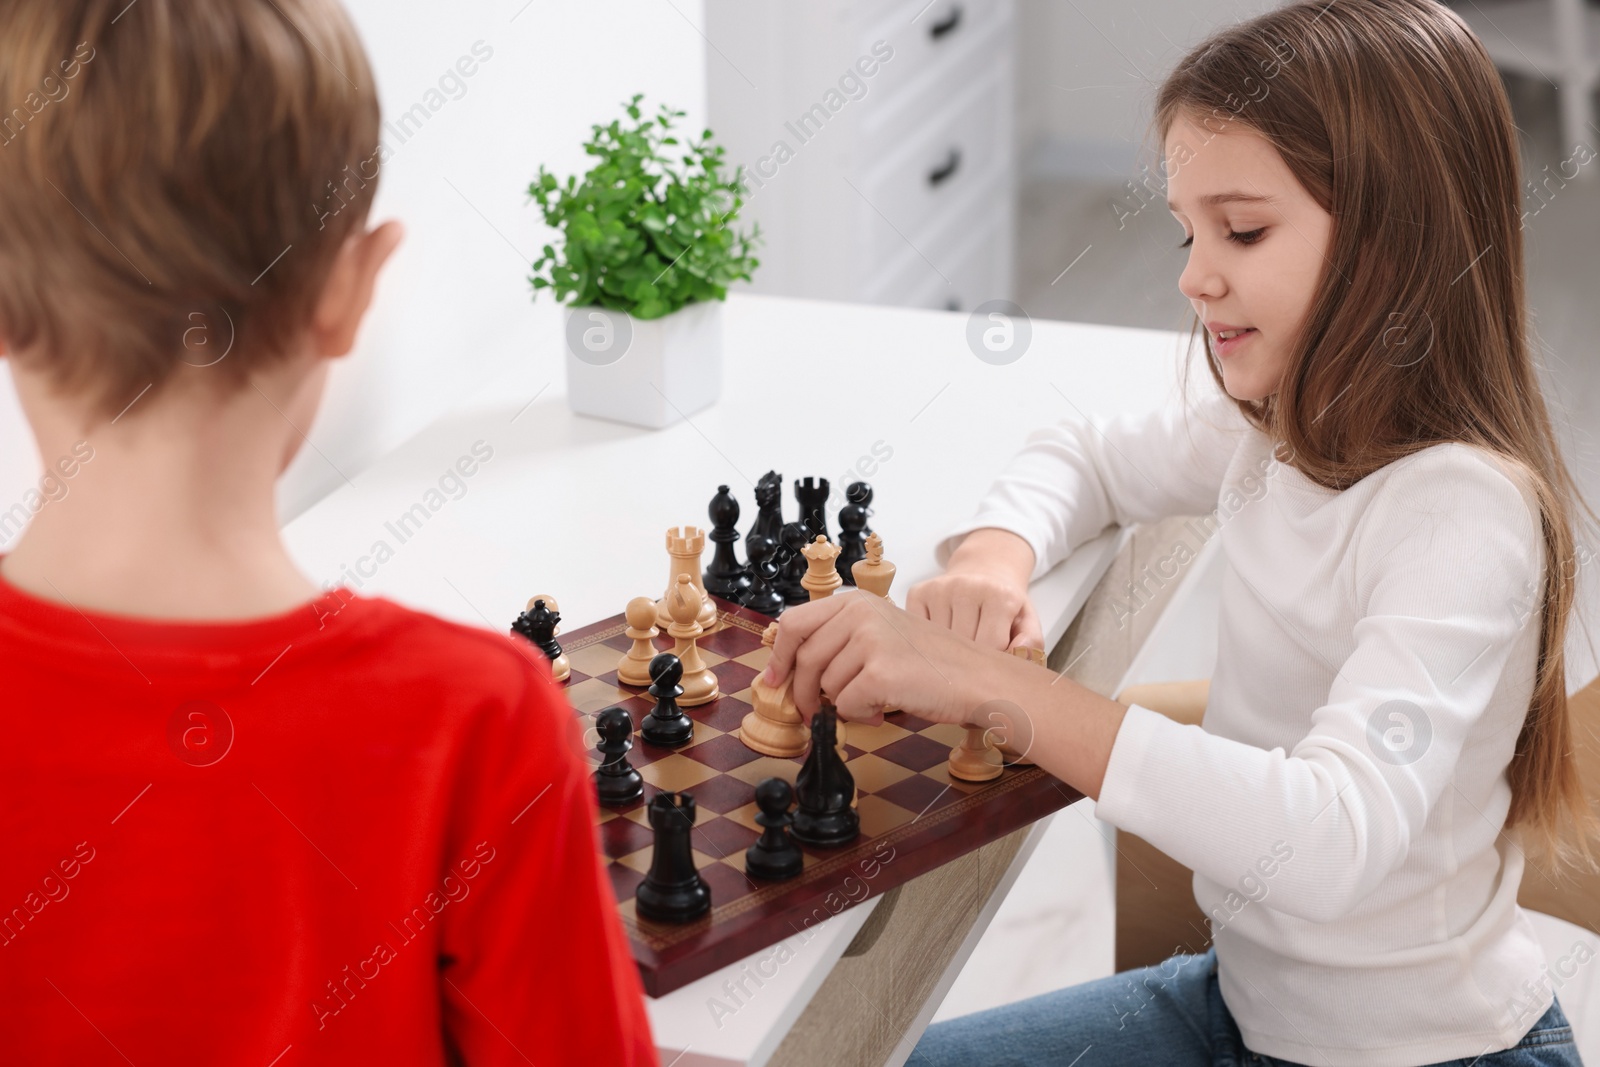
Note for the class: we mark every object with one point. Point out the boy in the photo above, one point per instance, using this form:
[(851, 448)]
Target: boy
[(245, 822)]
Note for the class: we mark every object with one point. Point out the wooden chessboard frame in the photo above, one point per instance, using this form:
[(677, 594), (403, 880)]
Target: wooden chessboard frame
[(748, 915)]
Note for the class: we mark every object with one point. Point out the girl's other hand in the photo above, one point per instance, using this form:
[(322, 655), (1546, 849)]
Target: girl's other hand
[(980, 607), (983, 594)]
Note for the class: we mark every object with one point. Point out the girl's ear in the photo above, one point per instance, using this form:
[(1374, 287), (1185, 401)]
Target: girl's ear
[(348, 293)]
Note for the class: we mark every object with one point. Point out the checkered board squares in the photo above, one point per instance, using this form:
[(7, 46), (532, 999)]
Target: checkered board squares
[(914, 816)]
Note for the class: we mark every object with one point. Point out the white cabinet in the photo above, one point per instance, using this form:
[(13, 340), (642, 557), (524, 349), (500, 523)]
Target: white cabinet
[(877, 140)]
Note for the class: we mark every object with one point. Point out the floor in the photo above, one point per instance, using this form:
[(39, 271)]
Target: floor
[(1127, 275)]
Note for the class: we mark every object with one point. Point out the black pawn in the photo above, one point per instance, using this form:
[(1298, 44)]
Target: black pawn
[(852, 542), (825, 786), (764, 595), (769, 506), (725, 577), (666, 724), (616, 781), (538, 624), (793, 562), (673, 891), (775, 856), (860, 493), (812, 495)]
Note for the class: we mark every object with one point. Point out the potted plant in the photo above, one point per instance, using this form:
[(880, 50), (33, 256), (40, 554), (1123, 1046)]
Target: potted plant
[(649, 252)]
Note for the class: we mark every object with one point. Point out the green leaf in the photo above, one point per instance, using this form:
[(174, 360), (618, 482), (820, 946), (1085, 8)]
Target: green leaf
[(643, 231)]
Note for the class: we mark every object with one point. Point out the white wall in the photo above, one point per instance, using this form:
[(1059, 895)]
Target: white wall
[(1089, 74), (453, 310)]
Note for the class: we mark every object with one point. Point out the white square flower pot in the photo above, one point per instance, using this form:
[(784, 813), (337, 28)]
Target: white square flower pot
[(649, 373)]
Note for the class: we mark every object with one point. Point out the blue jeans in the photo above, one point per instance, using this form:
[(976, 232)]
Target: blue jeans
[(1157, 1018)]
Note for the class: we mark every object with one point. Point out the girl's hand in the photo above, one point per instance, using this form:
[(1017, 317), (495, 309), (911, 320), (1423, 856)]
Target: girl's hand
[(981, 607), (983, 594), (867, 655)]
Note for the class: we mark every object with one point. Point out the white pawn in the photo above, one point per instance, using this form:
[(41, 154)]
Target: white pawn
[(699, 683), (976, 759), (634, 667)]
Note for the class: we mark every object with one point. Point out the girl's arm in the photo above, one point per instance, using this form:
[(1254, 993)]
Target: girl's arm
[(871, 655), (1441, 562), (1074, 479)]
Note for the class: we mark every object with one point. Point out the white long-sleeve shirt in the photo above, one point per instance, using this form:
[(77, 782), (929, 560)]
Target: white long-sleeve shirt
[(1342, 805)]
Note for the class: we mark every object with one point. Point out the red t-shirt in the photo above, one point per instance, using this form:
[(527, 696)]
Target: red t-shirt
[(351, 833)]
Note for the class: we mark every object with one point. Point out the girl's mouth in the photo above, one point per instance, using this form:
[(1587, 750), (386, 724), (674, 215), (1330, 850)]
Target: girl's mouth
[(1228, 345)]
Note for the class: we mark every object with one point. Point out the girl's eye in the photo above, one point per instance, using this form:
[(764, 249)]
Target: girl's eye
[(1248, 237)]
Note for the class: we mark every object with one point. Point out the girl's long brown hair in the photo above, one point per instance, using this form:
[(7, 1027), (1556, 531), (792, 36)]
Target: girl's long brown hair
[(1392, 116)]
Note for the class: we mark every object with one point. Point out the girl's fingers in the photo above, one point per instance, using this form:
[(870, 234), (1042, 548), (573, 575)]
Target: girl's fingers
[(842, 671), (799, 623), (817, 651), (938, 605), (1027, 631), (917, 601), (857, 704), (964, 618), (994, 626)]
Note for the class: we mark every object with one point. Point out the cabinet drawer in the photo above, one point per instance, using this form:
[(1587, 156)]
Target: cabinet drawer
[(975, 277), (967, 259), (942, 32), (907, 194)]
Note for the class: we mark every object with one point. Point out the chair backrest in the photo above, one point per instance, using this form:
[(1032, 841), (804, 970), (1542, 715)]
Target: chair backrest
[(1573, 897), (1156, 912)]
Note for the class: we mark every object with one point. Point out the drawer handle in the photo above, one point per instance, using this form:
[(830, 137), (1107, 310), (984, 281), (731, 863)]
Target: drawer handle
[(945, 171), (947, 25)]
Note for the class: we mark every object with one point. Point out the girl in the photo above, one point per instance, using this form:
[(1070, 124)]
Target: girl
[(1388, 713)]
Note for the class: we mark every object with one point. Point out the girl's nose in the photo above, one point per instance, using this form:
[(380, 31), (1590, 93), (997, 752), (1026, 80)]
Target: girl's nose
[(1200, 280)]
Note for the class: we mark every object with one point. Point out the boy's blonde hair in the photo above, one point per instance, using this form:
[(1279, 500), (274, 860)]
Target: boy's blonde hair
[(176, 178)]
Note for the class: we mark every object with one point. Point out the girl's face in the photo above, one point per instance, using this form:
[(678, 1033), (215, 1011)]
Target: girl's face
[(1257, 245)]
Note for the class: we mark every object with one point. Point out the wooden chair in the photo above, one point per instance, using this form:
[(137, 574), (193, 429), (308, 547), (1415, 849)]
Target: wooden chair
[(1156, 913)]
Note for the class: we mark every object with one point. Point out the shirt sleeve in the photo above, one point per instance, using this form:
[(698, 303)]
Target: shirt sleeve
[(537, 967), (1073, 479), (1445, 561)]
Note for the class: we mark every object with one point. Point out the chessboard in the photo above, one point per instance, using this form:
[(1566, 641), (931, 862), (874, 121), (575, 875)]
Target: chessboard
[(914, 816)]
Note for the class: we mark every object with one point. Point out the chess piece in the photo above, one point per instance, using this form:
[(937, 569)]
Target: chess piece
[(764, 595), (852, 520), (774, 727), (685, 546), (616, 781), (769, 506), (774, 856), (976, 759), (634, 667), (824, 787), (812, 495), (860, 494), (822, 576), (666, 724), (538, 624), (874, 573), (726, 577), (549, 602), (672, 890), (699, 683), (790, 556)]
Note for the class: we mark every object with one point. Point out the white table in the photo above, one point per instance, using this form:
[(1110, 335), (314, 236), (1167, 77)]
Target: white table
[(577, 508)]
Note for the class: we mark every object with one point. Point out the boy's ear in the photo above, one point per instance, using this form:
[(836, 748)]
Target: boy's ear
[(348, 293)]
